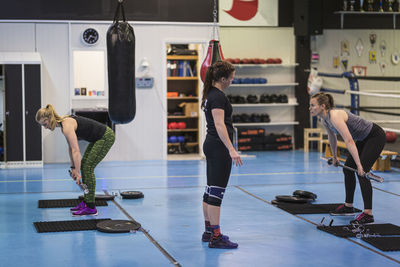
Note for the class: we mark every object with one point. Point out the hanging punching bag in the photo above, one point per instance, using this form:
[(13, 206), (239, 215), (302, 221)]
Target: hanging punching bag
[(214, 54), (121, 69)]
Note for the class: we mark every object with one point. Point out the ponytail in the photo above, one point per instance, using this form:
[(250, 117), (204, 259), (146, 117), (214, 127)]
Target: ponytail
[(50, 114), (325, 99), (207, 84), (218, 70)]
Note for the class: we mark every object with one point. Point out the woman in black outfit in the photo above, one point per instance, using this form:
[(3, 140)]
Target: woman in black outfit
[(364, 140), (218, 148)]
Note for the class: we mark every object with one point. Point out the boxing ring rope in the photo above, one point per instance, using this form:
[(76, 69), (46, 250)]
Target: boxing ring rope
[(355, 95)]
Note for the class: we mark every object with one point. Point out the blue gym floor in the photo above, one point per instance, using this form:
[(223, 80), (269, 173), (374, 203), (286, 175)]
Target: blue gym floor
[(171, 212)]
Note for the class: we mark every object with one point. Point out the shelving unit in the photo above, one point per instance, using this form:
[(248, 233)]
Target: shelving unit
[(284, 123), (264, 85), (366, 13), (280, 80), (183, 81)]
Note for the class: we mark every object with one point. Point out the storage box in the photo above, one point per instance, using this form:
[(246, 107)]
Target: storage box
[(190, 109)]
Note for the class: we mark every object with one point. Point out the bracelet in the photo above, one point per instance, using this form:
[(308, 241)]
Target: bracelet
[(72, 167)]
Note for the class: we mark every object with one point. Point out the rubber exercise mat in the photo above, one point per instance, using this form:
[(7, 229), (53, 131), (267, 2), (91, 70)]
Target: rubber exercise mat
[(391, 243), (352, 231), (309, 208), (65, 203), (67, 226)]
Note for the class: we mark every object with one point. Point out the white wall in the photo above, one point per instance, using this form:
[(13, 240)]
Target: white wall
[(258, 42), (143, 138)]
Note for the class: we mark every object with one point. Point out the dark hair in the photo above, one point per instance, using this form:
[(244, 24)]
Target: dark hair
[(218, 70), (325, 99)]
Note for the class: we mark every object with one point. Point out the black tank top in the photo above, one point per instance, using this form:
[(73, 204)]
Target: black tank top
[(88, 129)]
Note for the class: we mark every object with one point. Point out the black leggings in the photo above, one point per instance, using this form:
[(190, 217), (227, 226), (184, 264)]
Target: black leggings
[(219, 162), (369, 151)]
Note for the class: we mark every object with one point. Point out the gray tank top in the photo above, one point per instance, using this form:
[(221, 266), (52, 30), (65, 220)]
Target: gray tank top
[(359, 128)]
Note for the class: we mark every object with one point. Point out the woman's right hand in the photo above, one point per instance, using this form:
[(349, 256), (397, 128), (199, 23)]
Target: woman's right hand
[(235, 157), (76, 176), (335, 161)]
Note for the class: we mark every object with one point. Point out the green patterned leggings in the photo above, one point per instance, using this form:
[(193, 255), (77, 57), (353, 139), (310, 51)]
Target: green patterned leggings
[(94, 153)]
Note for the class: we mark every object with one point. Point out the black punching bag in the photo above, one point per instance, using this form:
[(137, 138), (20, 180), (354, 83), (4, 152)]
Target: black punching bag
[(121, 69)]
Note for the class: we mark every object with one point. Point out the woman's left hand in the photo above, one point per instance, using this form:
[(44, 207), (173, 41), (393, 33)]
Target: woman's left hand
[(360, 171), (76, 176)]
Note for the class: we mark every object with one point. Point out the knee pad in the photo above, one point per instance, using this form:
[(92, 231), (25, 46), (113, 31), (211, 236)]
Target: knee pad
[(216, 194), (206, 193)]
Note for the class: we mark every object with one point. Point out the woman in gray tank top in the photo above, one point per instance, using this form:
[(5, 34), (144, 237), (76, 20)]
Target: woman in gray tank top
[(364, 140)]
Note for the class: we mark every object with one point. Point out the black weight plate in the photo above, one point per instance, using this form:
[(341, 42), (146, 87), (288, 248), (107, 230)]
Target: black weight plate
[(304, 194), (291, 199), (101, 197), (132, 194), (275, 202), (117, 226)]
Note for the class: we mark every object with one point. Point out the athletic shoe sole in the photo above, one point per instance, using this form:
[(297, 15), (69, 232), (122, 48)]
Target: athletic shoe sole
[(79, 215), (342, 214)]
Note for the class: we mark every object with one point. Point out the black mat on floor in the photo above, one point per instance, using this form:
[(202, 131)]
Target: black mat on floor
[(309, 208), (65, 203), (391, 243), (66, 226), (350, 231)]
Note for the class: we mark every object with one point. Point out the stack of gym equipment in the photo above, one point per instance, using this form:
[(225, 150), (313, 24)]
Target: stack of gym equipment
[(255, 139)]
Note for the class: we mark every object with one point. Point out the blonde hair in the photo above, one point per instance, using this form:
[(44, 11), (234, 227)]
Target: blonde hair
[(50, 114)]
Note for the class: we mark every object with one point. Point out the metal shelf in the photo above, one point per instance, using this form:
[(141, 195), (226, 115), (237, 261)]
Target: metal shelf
[(88, 97), (183, 98), (182, 117), (179, 78), (182, 130), (188, 144), (266, 123), (266, 105), (262, 85), (267, 65), (343, 13)]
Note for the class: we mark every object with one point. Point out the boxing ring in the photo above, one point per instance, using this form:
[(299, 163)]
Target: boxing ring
[(355, 96)]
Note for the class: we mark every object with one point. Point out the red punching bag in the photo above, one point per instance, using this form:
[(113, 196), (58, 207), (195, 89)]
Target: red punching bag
[(214, 54)]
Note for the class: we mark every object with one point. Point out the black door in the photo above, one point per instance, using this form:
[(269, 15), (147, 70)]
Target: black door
[(33, 131), (13, 109)]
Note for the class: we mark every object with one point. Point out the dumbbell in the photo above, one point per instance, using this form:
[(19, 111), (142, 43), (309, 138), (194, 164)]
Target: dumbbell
[(283, 99), (252, 99), (240, 99), (265, 98), (265, 118), (273, 98), (255, 118), (244, 118)]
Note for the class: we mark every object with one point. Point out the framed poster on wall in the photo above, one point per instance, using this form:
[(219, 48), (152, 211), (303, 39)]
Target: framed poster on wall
[(248, 13)]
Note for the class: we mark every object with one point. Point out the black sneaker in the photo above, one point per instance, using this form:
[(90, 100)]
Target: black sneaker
[(206, 237), (343, 210), (222, 241), (363, 218)]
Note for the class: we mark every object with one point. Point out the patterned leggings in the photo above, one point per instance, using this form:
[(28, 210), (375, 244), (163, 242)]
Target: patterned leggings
[(94, 153)]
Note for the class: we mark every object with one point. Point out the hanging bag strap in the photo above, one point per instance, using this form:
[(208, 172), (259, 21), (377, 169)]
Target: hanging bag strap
[(116, 16)]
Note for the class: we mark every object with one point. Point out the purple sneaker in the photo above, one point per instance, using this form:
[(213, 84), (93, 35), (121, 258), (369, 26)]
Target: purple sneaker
[(85, 211), (206, 237), (78, 207), (221, 241)]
